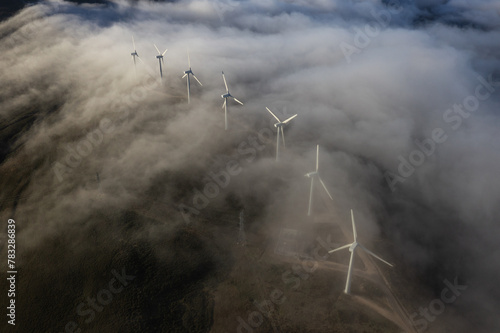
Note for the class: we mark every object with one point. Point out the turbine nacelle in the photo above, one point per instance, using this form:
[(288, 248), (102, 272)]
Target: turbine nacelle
[(226, 95), (134, 54), (311, 174)]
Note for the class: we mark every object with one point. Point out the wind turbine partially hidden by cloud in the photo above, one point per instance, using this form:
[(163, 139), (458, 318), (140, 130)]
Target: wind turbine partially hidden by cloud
[(312, 175), (160, 59), (279, 125), (188, 73), (226, 96), (135, 54), (352, 248)]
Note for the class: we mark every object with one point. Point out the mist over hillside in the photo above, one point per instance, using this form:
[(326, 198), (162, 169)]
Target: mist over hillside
[(105, 167)]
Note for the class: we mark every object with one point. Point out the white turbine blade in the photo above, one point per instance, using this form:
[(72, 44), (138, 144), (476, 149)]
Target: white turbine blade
[(237, 100), (189, 60), (324, 186), (224, 104), (164, 52), (340, 248), (376, 256), (184, 76), (225, 83), (283, 135), (140, 59), (278, 119), (286, 121), (317, 158), (133, 43), (157, 48), (353, 226), (197, 80)]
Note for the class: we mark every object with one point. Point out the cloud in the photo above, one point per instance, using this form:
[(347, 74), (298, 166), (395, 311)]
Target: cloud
[(66, 68)]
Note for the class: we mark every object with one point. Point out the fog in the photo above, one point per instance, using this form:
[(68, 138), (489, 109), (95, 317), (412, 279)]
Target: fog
[(401, 97)]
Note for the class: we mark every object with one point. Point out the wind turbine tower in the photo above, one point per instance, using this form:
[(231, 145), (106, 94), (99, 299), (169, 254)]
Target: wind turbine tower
[(352, 248)]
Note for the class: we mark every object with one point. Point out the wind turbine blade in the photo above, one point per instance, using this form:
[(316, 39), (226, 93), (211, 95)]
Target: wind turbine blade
[(184, 76), (189, 60), (164, 52), (286, 121), (157, 48), (140, 59), (282, 135), (374, 255), (278, 119), (133, 43), (224, 104), (317, 158), (353, 226), (225, 83), (324, 186), (237, 100), (340, 248), (197, 80)]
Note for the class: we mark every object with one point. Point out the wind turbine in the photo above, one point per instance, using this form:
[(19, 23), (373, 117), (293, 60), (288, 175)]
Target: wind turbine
[(187, 73), (279, 125), (135, 54), (312, 175), (352, 247), (226, 96), (160, 58)]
